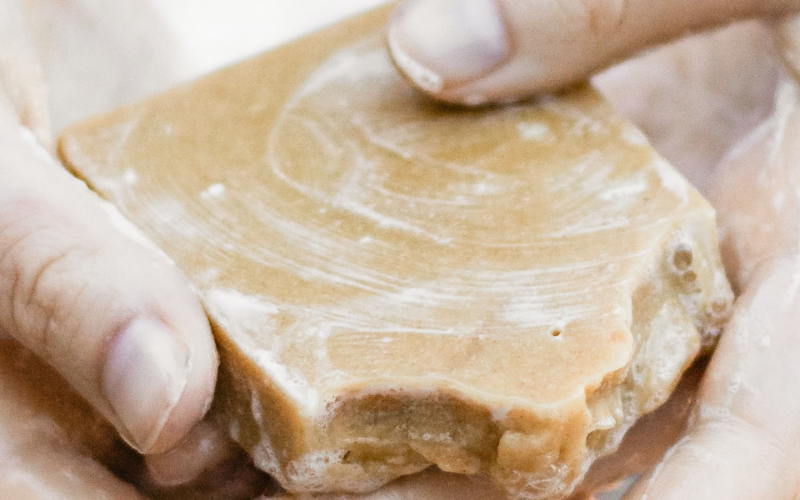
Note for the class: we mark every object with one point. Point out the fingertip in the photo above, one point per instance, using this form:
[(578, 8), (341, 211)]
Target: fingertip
[(478, 51), (724, 458), (158, 384), (195, 399), (110, 313), (441, 44), (145, 374), (473, 52), (168, 346)]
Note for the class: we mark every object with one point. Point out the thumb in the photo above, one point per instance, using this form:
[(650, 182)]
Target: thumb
[(111, 315), (475, 51)]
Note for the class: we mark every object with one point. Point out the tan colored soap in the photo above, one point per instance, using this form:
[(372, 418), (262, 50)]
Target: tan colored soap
[(394, 283)]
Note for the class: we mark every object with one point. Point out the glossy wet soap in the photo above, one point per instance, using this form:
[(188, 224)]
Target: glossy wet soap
[(394, 283)]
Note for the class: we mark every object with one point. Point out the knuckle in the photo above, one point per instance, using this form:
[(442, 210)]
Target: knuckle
[(40, 267)]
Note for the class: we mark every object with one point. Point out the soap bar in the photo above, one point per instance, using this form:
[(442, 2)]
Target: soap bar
[(395, 283)]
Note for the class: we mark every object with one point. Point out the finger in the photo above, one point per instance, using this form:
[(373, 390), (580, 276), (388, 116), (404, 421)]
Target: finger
[(206, 464), (473, 51), (111, 315), (205, 448), (20, 75), (674, 92), (52, 444), (789, 43), (744, 442), (756, 191)]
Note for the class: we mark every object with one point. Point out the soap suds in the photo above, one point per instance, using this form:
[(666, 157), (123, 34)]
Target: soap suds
[(534, 131), (254, 316), (500, 413), (239, 305), (263, 453), (214, 191), (293, 383), (671, 179), (313, 472), (591, 223), (634, 136), (130, 177), (526, 486), (388, 222), (127, 228), (629, 189)]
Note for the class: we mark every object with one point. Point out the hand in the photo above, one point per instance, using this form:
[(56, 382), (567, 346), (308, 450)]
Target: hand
[(696, 100), (81, 289), (474, 51)]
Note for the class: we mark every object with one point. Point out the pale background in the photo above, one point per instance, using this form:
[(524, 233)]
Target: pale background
[(217, 32)]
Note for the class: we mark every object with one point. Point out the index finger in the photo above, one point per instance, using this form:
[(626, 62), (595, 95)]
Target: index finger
[(476, 51)]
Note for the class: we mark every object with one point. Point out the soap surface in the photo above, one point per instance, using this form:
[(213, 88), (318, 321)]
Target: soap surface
[(394, 283)]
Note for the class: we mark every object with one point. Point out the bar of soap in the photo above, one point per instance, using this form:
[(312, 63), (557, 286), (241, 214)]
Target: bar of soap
[(394, 283)]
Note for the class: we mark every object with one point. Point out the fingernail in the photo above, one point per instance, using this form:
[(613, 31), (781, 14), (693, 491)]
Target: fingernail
[(436, 42), (144, 377)]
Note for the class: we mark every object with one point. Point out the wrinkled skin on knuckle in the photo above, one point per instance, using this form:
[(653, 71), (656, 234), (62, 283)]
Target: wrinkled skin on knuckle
[(44, 272)]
